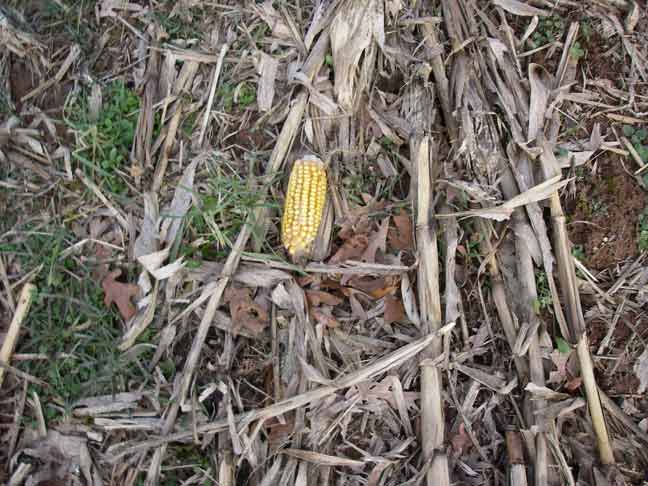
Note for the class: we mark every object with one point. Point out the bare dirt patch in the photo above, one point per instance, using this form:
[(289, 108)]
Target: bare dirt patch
[(605, 214)]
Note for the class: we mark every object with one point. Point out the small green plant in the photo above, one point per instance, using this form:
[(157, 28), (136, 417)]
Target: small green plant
[(639, 139), (245, 96), (549, 29), (544, 300), (598, 207), (562, 346), (576, 51), (103, 146), (578, 252), (642, 240)]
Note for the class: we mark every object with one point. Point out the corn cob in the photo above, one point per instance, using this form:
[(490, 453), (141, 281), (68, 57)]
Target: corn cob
[(304, 206)]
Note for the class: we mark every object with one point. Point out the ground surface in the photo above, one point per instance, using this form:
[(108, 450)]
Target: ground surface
[(145, 149)]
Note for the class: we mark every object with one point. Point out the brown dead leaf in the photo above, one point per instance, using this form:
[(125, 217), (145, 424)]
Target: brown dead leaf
[(120, 293), (374, 287), (460, 441), (352, 249), (245, 312), (323, 318), (574, 384), (354, 225), (394, 311), (103, 253), (377, 241), (318, 297), (400, 238)]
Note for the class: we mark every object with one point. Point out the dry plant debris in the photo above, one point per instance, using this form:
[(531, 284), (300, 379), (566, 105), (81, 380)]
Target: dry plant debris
[(471, 307)]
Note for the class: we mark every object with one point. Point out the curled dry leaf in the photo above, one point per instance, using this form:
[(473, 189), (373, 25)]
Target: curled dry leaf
[(323, 318), (319, 297), (377, 241), (641, 370), (245, 312), (400, 238), (352, 249), (120, 293), (394, 311), (460, 442)]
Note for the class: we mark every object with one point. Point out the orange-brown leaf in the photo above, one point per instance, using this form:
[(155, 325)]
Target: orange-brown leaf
[(352, 249), (377, 241), (394, 311), (120, 293), (323, 318), (245, 312), (318, 297), (400, 238)]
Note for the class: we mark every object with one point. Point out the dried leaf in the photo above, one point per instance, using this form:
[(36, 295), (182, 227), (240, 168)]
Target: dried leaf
[(180, 204), (245, 312), (641, 370), (400, 238), (274, 20), (351, 34), (520, 8), (351, 249), (119, 293), (460, 441), (281, 297), (378, 241), (147, 241), (319, 297), (267, 68), (323, 318), (394, 311)]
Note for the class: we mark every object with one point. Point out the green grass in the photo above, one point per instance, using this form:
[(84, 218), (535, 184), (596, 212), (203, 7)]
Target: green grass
[(221, 213), (103, 146), (68, 316)]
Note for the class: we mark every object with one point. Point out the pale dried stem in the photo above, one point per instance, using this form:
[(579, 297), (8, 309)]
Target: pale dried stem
[(498, 293), (9, 342), (571, 297), (432, 420), (212, 92)]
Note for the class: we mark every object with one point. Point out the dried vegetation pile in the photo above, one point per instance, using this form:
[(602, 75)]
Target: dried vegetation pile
[(445, 331)]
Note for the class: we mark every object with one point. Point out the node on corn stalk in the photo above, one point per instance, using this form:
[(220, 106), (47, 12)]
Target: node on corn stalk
[(304, 207)]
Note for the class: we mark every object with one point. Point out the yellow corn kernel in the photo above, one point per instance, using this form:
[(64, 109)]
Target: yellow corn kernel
[(304, 206)]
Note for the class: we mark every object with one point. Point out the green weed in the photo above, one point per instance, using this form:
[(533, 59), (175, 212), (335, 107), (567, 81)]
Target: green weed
[(598, 207), (549, 29), (245, 97), (639, 139), (103, 146), (222, 212), (544, 300), (176, 27), (69, 323)]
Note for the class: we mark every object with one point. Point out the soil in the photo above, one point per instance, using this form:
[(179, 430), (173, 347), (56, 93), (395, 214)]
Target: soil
[(605, 214)]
